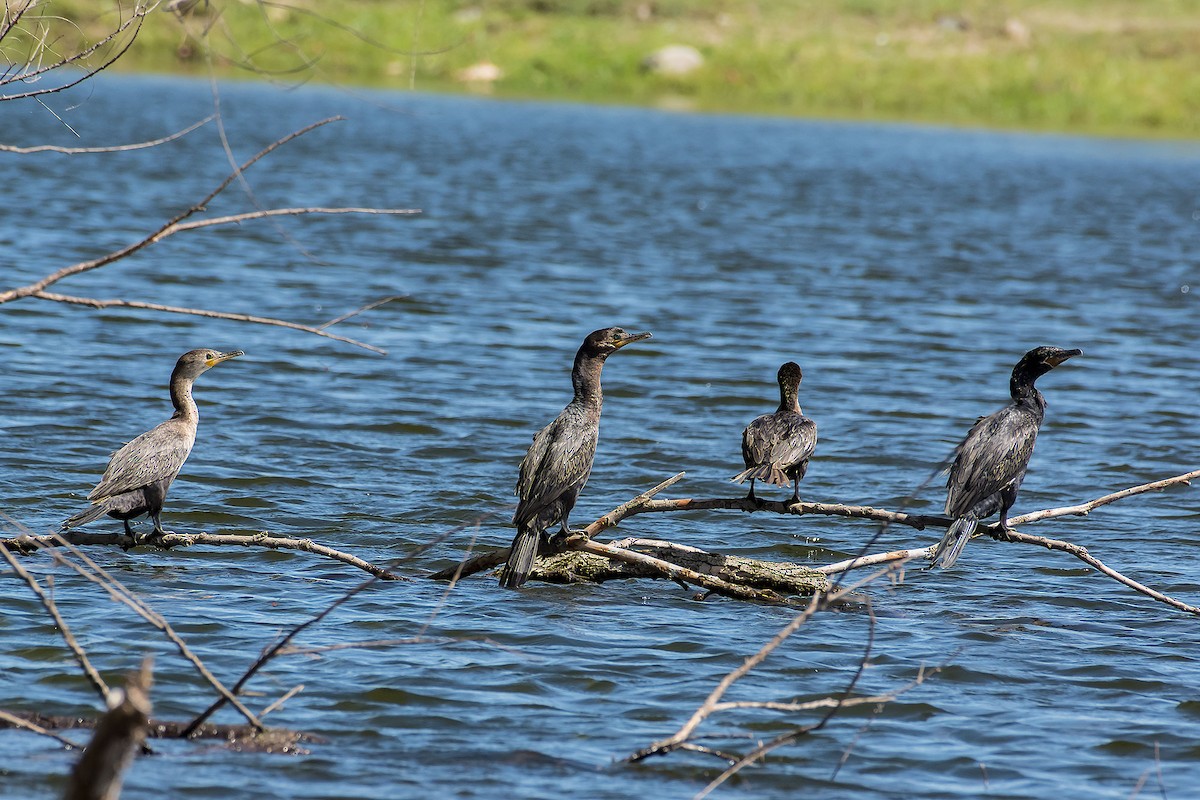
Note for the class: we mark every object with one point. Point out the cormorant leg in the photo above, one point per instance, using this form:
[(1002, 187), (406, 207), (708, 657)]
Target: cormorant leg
[(752, 497), (796, 489), (129, 532), (1008, 496), (558, 540), (158, 531)]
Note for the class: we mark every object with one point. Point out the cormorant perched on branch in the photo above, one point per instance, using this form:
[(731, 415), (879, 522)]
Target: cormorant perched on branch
[(139, 474), (559, 461), (776, 447), (990, 463)]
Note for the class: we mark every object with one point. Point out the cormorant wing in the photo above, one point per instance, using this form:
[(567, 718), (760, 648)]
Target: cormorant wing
[(995, 451), (795, 442), (559, 458), (156, 454)]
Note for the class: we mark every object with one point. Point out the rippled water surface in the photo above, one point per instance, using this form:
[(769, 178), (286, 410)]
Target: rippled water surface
[(906, 269)]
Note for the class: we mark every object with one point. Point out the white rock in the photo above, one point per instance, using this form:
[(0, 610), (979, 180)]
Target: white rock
[(483, 72), (674, 59)]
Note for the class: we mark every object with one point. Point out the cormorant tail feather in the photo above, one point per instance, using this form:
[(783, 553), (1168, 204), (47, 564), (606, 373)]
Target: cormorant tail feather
[(84, 517), (771, 473), (952, 544), (520, 559)]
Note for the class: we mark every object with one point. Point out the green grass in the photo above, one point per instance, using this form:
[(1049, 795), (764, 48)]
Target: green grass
[(1128, 67)]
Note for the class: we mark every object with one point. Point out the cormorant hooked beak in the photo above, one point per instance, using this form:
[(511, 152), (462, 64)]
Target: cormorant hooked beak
[(1061, 356), (633, 337), (212, 362)]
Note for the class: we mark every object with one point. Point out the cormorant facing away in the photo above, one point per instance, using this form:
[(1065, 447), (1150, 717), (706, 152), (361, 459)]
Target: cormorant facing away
[(990, 463), (139, 474), (559, 461), (776, 447)]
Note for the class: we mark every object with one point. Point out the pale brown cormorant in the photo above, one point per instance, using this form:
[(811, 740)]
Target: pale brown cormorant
[(559, 461), (139, 474), (776, 447), (990, 463)]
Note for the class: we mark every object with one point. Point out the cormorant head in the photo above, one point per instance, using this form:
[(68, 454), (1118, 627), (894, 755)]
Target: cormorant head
[(1038, 362), (606, 341), (194, 362), (790, 374)]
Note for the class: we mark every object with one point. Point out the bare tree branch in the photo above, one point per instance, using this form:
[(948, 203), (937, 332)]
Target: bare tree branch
[(179, 224), (30, 74), (92, 302), (49, 148), (64, 629), (17, 722), (76, 538), (96, 574), (373, 304), (270, 653)]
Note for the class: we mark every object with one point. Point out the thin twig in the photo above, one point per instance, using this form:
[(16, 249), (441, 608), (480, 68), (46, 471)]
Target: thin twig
[(278, 704), (168, 227), (357, 311), (64, 629), (44, 148), (790, 736), (25, 724), (1083, 555), (200, 312), (96, 574), (270, 653)]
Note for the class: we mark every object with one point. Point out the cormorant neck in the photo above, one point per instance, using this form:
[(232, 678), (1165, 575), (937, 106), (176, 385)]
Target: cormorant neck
[(181, 398), (1023, 392), (585, 378), (789, 397)]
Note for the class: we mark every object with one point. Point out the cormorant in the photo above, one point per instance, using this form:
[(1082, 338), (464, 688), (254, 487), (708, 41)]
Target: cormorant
[(989, 464), (139, 474), (559, 461), (776, 447)]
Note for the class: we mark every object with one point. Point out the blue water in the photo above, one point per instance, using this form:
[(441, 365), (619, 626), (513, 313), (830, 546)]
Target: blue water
[(906, 269)]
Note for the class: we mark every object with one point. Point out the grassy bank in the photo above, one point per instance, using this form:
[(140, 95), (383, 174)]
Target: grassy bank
[(1097, 66)]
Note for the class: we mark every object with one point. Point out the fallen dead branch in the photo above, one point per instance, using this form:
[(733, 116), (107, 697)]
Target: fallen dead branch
[(567, 560), (30, 544)]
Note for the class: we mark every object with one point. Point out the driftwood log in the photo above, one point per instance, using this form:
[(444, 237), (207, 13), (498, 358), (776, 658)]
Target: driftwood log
[(580, 566)]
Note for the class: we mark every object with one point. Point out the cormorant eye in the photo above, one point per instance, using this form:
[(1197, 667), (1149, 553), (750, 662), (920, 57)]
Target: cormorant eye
[(210, 356)]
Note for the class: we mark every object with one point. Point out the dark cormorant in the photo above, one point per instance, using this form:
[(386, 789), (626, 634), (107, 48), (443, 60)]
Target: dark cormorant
[(559, 461), (776, 447), (139, 474), (990, 463)]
